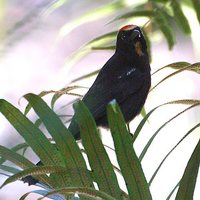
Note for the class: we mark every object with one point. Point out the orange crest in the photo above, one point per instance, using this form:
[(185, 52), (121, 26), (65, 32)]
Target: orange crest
[(128, 27)]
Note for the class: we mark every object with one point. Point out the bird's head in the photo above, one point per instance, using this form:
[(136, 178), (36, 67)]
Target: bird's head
[(130, 40)]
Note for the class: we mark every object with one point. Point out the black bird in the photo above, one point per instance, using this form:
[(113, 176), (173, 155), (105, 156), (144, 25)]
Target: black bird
[(125, 77)]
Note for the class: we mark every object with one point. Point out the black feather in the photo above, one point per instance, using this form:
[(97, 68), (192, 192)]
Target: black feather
[(125, 77)]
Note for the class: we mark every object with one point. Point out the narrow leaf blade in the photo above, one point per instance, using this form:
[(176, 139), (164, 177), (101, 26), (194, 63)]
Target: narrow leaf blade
[(128, 161), (33, 171), (22, 162), (32, 135), (188, 180), (162, 22), (180, 17), (88, 193), (97, 156), (196, 4), (65, 142)]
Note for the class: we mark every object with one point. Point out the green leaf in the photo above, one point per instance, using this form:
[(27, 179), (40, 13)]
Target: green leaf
[(90, 16), (161, 127), (168, 154), (58, 93), (128, 161), (99, 161), (162, 22), (146, 117), (15, 149), (135, 13), (148, 42), (180, 17), (103, 40), (9, 169), (172, 191), (54, 5), (86, 192), (22, 162), (103, 37), (36, 170), (43, 193), (188, 180), (141, 124), (196, 4), (33, 136), (194, 67), (67, 146), (160, 1), (14, 157), (104, 48), (86, 76), (63, 91), (176, 65), (43, 93)]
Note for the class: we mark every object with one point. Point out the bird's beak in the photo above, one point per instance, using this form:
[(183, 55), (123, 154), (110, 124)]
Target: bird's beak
[(135, 33), (137, 43)]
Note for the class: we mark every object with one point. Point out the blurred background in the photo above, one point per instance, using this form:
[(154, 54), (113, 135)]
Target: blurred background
[(39, 51)]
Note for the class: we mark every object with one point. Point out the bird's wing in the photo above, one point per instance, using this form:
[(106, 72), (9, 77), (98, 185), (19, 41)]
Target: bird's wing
[(117, 86)]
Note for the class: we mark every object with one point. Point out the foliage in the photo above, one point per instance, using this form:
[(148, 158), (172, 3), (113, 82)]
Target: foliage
[(65, 160), (68, 168), (162, 16)]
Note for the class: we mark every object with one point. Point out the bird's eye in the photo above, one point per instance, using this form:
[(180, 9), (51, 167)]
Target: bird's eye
[(139, 33)]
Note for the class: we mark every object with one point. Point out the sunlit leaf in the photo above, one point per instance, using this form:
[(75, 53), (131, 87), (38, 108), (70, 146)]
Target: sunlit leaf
[(64, 91), (33, 136), (176, 65), (53, 6), (104, 48), (9, 169), (67, 146), (90, 16), (86, 192), (145, 149), (99, 161), (180, 17), (148, 42), (194, 67), (163, 24), (189, 178), (22, 162), (43, 193), (172, 192), (15, 149), (83, 51), (58, 94), (33, 171), (86, 76), (128, 161), (41, 94), (141, 124), (28, 131), (168, 154), (146, 117), (196, 4), (135, 13), (103, 37)]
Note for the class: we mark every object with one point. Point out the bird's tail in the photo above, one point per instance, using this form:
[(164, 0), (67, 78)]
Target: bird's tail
[(74, 129), (29, 179)]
